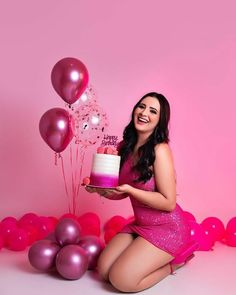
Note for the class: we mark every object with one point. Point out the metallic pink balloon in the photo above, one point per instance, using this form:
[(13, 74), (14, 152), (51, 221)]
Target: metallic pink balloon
[(71, 262), (42, 254), (56, 128), (69, 78), (93, 247), (67, 231)]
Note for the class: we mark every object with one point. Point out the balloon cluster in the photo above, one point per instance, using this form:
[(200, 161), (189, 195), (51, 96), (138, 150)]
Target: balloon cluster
[(211, 230), (67, 251), (83, 119), (205, 234), (17, 235)]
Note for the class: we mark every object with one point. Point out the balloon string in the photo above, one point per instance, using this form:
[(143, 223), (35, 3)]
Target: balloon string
[(82, 153), (73, 186), (76, 175), (55, 159), (65, 183)]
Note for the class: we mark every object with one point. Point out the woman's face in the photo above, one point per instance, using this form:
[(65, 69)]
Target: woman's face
[(147, 115)]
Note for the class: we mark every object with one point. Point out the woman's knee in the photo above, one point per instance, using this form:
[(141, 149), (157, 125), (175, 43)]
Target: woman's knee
[(122, 281)]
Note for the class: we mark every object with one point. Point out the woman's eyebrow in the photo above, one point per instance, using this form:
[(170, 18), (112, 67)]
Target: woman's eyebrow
[(153, 108)]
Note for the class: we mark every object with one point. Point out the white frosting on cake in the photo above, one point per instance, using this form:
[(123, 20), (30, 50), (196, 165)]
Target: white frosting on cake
[(105, 170), (106, 164)]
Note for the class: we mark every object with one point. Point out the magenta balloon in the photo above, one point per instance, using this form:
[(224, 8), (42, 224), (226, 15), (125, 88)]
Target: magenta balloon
[(230, 233), (67, 231), (215, 226), (9, 219), (206, 240), (42, 254), (189, 216), (195, 231), (1, 242), (56, 128), (27, 219), (93, 247), (71, 262), (69, 78), (231, 225)]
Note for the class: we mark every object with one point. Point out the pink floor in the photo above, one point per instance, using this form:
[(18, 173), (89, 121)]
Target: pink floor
[(208, 273)]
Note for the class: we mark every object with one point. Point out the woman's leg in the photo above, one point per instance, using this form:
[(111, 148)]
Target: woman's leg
[(139, 267), (112, 251)]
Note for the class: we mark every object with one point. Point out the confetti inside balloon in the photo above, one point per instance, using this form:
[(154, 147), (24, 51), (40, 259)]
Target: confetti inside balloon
[(91, 123), (88, 97)]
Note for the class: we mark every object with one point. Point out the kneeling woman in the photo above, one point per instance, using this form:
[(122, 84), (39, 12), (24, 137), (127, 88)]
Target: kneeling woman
[(157, 242)]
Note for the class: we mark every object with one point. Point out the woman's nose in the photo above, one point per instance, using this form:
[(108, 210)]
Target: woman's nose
[(144, 112)]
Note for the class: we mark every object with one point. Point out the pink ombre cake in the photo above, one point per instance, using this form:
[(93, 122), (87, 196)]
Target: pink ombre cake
[(105, 170)]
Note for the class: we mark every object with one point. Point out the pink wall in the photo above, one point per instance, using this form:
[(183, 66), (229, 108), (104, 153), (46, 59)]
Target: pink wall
[(130, 47)]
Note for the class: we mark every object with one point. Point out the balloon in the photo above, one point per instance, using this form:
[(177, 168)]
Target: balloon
[(109, 234), (215, 226), (1, 238), (90, 224), (10, 219), (90, 124), (56, 128), (69, 78), (6, 227), (206, 240), (44, 226), (54, 221), (116, 223), (231, 225), (18, 240), (42, 254), (93, 247), (230, 238), (1, 242), (67, 231), (90, 215), (88, 97), (72, 262), (27, 219), (32, 233), (230, 234), (189, 216), (201, 236)]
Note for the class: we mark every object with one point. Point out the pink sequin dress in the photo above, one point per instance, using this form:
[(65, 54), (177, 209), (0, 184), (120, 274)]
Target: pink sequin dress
[(168, 231)]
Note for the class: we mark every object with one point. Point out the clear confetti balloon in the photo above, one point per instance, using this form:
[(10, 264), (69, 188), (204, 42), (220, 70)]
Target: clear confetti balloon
[(91, 123), (88, 97)]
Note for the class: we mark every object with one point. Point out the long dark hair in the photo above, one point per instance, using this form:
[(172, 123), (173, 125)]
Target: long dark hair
[(146, 152)]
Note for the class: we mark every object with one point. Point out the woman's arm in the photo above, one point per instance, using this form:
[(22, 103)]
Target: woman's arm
[(164, 173)]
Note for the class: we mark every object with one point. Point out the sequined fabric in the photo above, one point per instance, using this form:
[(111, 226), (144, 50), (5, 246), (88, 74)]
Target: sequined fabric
[(168, 231)]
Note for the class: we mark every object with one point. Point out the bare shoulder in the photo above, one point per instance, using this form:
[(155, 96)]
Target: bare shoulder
[(163, 150), (164, 162)]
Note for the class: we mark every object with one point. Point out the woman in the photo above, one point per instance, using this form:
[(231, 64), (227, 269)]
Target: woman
[(157, 242)]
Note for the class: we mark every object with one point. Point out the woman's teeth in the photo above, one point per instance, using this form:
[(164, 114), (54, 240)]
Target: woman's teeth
[(142, 120)]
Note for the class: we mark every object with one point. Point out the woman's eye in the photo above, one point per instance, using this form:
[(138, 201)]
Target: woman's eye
[(153, 112), (141, 106)]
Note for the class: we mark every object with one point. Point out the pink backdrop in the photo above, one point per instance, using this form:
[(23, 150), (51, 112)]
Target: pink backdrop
[(185, 51)]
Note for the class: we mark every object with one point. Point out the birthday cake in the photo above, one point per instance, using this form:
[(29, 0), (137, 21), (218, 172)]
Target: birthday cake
[(105, 170)]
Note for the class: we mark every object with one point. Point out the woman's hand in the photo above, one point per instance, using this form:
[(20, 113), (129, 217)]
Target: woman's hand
[(123, 189)]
